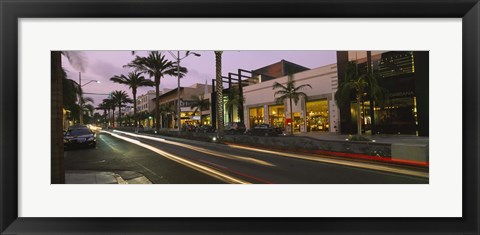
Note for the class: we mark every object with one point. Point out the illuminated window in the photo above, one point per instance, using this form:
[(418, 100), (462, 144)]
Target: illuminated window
[(256, 116), (317, 115)]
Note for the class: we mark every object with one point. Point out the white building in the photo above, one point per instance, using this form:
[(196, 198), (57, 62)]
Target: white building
[(318, 113), (145, 102), (127, 110)]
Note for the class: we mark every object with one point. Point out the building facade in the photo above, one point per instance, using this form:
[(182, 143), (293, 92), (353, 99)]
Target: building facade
[(127, 115), (404, 76), (317, 113), (169, 101), (145, 108), (145, 102)]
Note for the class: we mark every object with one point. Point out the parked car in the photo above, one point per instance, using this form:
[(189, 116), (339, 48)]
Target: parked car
[(78, 126), (79, 137), (206, 129), (263, 130), (189, 128), (234, 128)]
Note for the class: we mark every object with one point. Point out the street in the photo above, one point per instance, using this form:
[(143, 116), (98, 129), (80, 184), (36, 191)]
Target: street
[(179, 161)]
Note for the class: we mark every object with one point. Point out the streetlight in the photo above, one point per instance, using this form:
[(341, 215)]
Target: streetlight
[(178, 58), (80, 80), (90, 81), (80, 101)]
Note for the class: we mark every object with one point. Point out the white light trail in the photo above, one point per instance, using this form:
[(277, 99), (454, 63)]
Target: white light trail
[(202, 150), (185, 162), (339, 162)]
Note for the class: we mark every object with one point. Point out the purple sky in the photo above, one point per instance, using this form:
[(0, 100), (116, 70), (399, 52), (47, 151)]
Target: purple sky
[(102, 65)]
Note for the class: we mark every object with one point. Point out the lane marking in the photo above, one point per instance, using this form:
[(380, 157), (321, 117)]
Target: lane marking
[(339, 162), (238, 173), (202, 150), (207, 170), (211, 163), (106, 141)]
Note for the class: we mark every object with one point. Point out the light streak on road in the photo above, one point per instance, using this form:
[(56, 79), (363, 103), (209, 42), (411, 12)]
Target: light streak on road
[(338, 162), (238, 173), (202, 150), (185, 162)]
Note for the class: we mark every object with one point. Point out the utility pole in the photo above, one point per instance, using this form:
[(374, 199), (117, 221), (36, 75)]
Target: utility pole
[(179, 110), (81, 97)]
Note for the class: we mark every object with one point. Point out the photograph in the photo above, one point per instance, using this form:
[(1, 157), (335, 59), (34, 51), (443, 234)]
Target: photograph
[(240, 117)]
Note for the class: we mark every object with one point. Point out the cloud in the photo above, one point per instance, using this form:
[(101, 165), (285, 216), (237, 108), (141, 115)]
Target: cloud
[(106, 70)]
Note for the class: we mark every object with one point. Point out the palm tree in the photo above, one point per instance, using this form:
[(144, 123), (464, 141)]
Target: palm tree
[(110, 105), (134, 80), (143, 116), (219, 87), (71, 92), (290, 92), (156, 66), (119, 99), (104, 107), (96, 118), (233, 100), (360, 86), (199, 104), (165, 109), (86, 108), (57, 175)]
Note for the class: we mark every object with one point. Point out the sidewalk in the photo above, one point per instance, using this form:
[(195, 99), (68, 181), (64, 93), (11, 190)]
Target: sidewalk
[(381, 138), (100, 177)]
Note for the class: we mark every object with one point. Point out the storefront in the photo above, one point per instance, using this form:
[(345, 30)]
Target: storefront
[(404, 78), (397, 116), (206, 119), (189, 118), (317, 115), (276, 114), (257, 116)]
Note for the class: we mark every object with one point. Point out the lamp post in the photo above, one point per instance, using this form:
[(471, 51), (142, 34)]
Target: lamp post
[(178, 58), (81, 95)]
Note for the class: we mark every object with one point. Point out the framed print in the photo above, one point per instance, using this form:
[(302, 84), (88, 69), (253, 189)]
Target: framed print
[(396, 154)]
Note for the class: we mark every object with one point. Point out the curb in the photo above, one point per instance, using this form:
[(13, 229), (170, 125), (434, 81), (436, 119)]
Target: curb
[(351, 156)]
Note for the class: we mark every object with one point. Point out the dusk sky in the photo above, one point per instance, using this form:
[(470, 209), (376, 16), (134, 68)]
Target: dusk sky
[(102, 65)]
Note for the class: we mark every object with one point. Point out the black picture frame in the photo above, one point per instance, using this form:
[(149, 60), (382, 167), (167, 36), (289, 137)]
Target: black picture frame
[(12, 10)]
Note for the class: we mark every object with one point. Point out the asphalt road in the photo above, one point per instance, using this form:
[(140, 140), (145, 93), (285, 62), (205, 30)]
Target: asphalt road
[(177, 161)]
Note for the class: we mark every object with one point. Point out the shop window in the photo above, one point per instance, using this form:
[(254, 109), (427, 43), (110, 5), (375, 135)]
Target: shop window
[(365, 115), (256, 116), (276, 115), (317, 115), (397, 116)]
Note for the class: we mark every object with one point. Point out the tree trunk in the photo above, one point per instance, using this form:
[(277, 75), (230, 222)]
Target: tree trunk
[(157, 104), (219, 87), (119, 114), (104, 115), (359, 118), (134, 93), (161, 121), (291, 116), (372, 102), (113, 117), (57, 174)]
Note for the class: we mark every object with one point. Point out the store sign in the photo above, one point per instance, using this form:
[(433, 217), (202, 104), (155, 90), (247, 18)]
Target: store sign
[(196, 117), (288, 121)]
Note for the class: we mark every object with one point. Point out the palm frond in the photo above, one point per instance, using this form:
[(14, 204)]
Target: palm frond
[(277, 85), (301, 87)]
